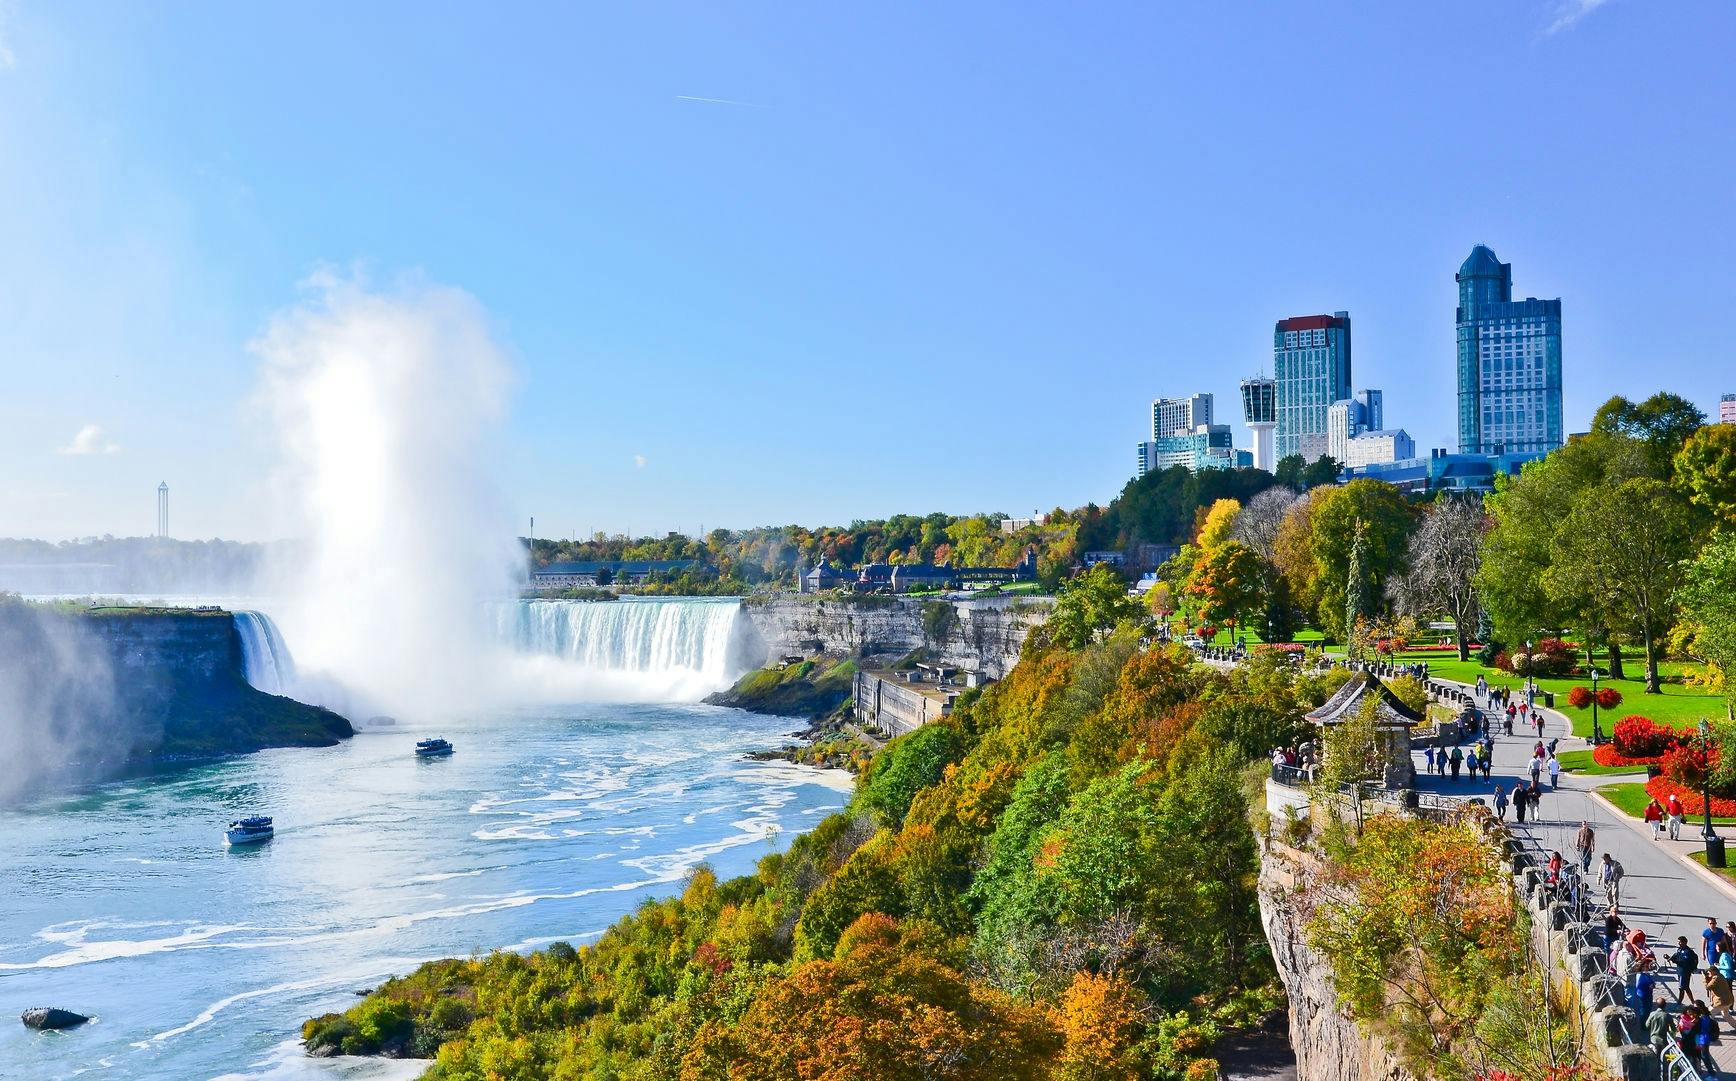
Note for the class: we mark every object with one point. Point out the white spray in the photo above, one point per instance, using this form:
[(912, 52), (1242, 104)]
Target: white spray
[(384, 406)]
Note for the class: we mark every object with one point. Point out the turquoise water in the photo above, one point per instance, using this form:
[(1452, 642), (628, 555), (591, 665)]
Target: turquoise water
[(199, 962)]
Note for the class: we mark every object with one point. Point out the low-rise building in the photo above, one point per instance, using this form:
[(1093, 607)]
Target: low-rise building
[(824, 576), (1441, 471), (1207, 446), (898, 703), (584, 574), (1371, 448)]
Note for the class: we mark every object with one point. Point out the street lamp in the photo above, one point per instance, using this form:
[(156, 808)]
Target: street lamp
[(1714, 843), (1530, 667), (1596, 732)]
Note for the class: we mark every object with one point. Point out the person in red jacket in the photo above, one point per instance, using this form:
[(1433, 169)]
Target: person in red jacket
[(1655, 818), (1676, 812)]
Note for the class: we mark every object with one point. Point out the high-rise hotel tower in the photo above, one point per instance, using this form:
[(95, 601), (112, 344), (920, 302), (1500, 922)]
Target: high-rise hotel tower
[(1509, 363), (1311, 365)]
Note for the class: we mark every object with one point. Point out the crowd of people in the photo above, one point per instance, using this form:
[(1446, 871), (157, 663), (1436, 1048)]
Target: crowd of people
[(1644, 978)]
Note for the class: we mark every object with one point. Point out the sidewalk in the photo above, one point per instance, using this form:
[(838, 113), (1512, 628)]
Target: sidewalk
[(1660, 895)]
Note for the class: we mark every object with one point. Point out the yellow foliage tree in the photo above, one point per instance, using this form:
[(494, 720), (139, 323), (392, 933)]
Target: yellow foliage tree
[(1100, 1019), (1219, 519)]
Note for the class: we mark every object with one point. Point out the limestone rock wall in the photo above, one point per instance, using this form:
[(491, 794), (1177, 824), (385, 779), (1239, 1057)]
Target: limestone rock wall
[(1328, 1045), (980, 635)]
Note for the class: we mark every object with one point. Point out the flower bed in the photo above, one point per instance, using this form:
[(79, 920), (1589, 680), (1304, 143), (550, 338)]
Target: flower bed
[(1659, 788), (1641, 737), (1607, 755)]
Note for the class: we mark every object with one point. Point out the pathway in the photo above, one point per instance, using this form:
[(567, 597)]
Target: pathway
[(1659, 894)]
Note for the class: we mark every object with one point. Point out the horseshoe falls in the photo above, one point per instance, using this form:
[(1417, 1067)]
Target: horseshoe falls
[(631, 649)]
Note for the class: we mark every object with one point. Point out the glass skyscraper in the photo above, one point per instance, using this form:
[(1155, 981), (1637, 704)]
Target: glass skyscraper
[(1311, 365), (1509, 363)]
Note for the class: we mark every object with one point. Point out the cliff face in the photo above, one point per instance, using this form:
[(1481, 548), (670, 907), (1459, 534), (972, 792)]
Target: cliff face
[(980, 635), (84, 694), (1328, 1045)]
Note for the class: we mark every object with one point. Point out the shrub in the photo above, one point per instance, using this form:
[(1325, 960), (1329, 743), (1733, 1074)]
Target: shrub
[(1686, 764), (1579, 698), (1606, 755), (1641, 737), (1608, 698)]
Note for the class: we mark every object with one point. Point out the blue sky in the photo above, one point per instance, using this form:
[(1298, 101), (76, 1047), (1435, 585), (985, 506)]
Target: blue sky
[(932, 257)]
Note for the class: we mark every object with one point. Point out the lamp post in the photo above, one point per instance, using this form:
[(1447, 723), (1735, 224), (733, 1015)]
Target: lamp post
[(1530, 667), (1714, 843), (1596, 732)]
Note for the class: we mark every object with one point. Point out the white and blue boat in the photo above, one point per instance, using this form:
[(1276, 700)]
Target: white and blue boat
[(249, 831), (432, 748)]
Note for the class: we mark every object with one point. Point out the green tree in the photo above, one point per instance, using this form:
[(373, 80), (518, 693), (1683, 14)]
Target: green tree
[(1322, 470), (1378, 512), (1709, 599), (1705, 470), (1091, 605), (1630, 546), (1660, 424), (1289, 471)]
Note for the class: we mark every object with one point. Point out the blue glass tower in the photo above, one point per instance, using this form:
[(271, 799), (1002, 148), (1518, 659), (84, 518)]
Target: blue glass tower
[(1311, 365), (1509, 363)]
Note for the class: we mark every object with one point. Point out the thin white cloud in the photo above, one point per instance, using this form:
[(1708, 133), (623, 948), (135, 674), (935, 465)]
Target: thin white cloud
[(638, 461), (719, 101), (89, 440), (7, 57), (1569, 12)]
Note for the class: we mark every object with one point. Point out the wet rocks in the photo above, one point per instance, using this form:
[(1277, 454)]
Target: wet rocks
[(46, 1017)]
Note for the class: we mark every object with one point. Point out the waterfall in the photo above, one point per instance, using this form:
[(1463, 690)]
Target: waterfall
[(677, 648), (264, 657)]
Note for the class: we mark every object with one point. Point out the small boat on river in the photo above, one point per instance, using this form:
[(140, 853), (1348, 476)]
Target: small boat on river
[(249, 831), (432, 748)]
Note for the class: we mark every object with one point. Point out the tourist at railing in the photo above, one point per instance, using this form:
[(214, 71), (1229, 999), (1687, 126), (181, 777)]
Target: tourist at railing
[(1686, 963)]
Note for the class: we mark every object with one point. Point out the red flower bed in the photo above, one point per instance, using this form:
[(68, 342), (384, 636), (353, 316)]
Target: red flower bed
[(1579, 698), (1607, 755), (1641, 737), (1659, 788)]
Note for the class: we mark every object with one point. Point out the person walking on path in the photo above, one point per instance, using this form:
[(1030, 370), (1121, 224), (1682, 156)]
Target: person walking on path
[(1488, 762), (1534, 797), (1520, 797), (1725, 968), (1554, 767), (1687, 962), (1429, 758), (1536, 769), (1654, 817), (1677, 813), (1456, 759), (1609, 876), (1500, 803), (1660, 1028), (1585, 842), (1473, 763), (1697, 1030), (1711, 939)]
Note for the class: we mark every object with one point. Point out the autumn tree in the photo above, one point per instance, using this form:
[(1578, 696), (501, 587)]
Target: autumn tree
[(1090, 606), (1227, 586), (1439, 578)]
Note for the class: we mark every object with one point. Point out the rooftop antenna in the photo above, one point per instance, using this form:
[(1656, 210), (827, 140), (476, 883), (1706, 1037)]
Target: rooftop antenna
[(162, 507)]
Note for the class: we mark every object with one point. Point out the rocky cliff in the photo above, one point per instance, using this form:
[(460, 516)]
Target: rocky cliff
[(87, 693), (981, 635), (1328, 1045)]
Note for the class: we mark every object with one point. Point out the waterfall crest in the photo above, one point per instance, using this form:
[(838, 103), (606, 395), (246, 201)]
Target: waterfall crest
[(264, 656), (657, 648)]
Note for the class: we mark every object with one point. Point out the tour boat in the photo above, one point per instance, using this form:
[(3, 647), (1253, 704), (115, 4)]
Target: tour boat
[(249, 831), (432, 748)]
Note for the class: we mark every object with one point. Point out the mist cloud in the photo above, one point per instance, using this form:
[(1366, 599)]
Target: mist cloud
[(90, 439)]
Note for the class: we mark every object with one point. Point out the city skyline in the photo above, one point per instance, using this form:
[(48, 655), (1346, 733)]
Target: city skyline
[(695, 238)]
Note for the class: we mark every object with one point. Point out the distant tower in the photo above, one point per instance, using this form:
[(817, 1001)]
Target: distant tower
[(1260, 410), (162, 507)]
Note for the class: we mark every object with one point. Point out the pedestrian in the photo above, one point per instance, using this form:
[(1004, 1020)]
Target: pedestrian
[(1473, 763), (1654, 817), (1520, 798), (1676, 812), (1536, 769), (1500, 803), (1609, 876), (1711, 939), (1722, 1002), (1508, 723), (1660, 1027), (1554, 741), (1554, 768), (1456, 760), (1429, 758), (1537, 717), (1534, 797), (1487, 763), (1687, 962), (1584, 842), (1697, 1042)]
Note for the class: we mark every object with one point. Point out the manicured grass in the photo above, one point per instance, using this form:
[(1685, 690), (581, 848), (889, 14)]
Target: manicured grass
[(1677, 706), (1582, 762), (1631, 797), (1700, 858)]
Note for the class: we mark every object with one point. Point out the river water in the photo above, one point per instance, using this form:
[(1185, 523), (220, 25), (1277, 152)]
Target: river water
[(549, 823)]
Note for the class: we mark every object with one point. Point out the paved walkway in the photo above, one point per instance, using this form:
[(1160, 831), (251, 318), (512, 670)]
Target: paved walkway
[(1659, 894)]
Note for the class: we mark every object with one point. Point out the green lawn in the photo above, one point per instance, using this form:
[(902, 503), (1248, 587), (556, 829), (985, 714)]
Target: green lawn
[(1677, 706), (1582, 762), (1632, 798), (1700, 858)]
